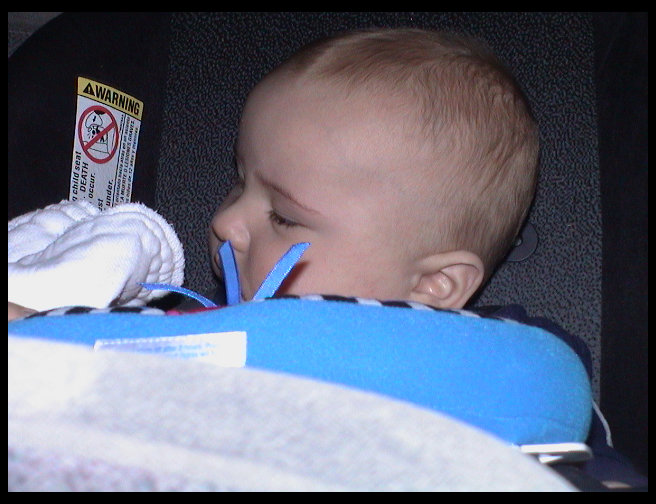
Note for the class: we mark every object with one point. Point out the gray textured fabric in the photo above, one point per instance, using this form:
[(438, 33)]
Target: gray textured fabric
[(216, 58), (85, 421)]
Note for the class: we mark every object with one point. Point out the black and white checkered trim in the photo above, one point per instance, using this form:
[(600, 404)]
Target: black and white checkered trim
[(483, 313), (82, 310), (144, 310), (357, 300)]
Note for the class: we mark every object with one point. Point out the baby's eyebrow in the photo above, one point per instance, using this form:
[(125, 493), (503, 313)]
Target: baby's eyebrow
[(284, 192)]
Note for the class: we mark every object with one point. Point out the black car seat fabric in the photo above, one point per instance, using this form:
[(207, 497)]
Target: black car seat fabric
[(128, 52), (193, 72), (621, 75)]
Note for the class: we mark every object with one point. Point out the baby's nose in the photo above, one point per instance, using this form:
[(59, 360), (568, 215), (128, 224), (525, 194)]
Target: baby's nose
[(228, 225)]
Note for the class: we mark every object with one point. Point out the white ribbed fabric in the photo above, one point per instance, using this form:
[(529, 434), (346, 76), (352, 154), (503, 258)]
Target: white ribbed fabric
[(71, 253)]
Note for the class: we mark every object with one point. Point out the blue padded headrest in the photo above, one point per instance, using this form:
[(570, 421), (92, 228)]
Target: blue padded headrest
[(517, 382)]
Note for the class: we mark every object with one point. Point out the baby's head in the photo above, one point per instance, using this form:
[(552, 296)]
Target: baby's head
[(408, 159)]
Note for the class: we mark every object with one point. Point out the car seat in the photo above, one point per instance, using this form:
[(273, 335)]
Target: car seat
[(582, 75)]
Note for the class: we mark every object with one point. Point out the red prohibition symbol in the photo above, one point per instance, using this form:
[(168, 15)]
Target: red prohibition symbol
[(98, 134)]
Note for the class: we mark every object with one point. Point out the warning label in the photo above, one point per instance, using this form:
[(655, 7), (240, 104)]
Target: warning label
[(107, 128)]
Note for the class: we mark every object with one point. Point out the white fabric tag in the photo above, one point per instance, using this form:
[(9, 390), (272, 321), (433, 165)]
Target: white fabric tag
[(225, 349)]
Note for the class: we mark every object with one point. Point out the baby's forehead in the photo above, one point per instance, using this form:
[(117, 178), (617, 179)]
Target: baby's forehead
[(382, 129), (377, 94)]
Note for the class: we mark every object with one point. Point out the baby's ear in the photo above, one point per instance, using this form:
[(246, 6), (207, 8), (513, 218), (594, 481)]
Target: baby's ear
[(448, 280)]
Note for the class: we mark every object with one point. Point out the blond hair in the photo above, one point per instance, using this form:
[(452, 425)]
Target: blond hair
[(471, 111)]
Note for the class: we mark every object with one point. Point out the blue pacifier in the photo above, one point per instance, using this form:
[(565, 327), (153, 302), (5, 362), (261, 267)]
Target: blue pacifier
[(269, 286)]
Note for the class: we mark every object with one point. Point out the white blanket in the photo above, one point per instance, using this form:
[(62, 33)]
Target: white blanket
[(80, 420), (71, 253)]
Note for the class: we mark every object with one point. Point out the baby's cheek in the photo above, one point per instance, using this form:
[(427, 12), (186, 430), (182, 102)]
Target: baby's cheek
[(252, 272)]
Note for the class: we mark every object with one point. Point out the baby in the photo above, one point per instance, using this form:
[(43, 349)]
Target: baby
[(407, 158)]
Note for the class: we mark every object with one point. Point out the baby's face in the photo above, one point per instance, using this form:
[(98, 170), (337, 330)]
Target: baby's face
[(318, 169)]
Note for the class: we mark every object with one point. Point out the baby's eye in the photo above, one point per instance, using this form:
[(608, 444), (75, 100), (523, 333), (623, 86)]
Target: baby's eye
[(279, 220)]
